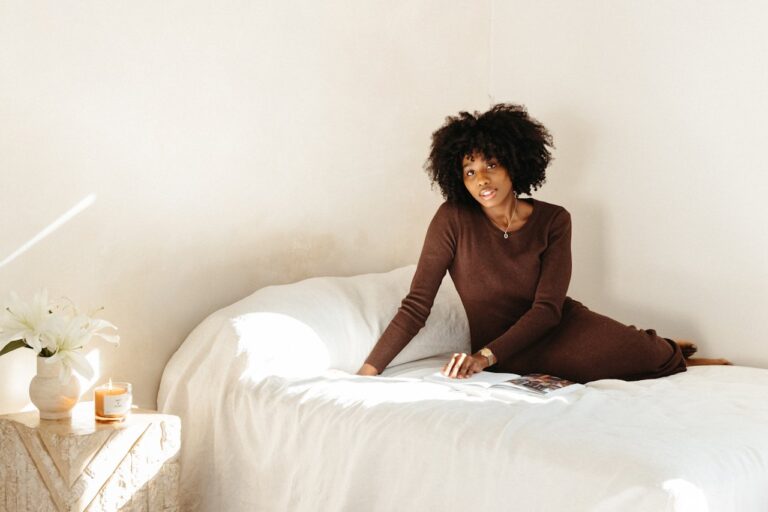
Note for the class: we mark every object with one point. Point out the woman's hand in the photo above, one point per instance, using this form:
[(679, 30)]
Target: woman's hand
[(367, 369), (464, 365)]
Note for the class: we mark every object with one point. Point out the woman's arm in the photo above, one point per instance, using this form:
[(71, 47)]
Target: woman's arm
[(368, 370), (436, 256), (546, 311)]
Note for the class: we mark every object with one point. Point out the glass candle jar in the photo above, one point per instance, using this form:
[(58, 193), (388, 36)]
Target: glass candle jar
[(113, 401)]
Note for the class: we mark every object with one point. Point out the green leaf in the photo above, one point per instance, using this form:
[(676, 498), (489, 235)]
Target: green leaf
[(13, 345)]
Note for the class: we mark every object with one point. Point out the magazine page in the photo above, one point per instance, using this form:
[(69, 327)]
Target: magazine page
[(481, 379), (499, 386), (541, 384)]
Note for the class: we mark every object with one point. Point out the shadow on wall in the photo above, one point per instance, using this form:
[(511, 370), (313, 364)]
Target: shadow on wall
[(289, 257), (235, 271)]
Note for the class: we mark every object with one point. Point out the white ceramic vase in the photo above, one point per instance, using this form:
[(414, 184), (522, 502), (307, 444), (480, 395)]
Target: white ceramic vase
[(53, 399)]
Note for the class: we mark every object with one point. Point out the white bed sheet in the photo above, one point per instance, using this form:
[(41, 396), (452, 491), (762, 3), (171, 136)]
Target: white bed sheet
[(694, 441)]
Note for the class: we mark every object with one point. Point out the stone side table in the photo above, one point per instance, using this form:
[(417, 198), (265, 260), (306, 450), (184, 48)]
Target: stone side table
[(77, 464)]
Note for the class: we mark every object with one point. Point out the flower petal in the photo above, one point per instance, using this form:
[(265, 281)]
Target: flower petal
[(66, 371), (5, 337), (111, 338), (34, 342), (100, 323), (80, 364)]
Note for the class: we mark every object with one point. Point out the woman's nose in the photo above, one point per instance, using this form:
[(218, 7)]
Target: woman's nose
[(482, 178)]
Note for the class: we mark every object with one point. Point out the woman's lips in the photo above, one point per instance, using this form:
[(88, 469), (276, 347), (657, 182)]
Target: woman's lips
[(487, 194)]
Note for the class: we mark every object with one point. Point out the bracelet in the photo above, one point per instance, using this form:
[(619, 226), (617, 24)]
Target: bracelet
[(486, 352)]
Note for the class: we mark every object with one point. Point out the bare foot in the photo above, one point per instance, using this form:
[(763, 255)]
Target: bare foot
[(688, 347), (701, 361)]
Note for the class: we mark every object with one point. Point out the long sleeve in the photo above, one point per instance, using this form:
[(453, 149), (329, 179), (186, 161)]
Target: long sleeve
[(546, 311), (436, 256)]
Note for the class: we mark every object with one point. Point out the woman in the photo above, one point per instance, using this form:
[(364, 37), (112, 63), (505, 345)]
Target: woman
[(510, 260)]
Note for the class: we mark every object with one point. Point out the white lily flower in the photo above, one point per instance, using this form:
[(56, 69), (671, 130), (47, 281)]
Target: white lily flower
[(92, 325), (69, 338), (26, 321), (70, 360), (55, 332)]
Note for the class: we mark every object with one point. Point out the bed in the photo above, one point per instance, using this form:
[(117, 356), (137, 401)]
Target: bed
[(274, 419)]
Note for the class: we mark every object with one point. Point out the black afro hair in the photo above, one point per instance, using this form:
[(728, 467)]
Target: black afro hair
[(506, 132)]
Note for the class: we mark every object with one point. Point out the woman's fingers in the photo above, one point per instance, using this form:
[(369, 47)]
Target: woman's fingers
[(460, 366), (449, 366), (453, 365), (470, 367), (459, 362), (466, 367)]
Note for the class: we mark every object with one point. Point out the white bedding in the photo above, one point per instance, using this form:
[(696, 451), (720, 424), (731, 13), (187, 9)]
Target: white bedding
[(332, 441)]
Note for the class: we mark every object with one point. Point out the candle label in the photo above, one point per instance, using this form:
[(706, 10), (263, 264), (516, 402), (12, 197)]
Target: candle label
[(117, 404)]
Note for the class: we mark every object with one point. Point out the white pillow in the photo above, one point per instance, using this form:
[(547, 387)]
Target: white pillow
[(307, 327)]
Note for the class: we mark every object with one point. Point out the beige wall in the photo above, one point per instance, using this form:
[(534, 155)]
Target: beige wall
[(184, 154), (659, 112)]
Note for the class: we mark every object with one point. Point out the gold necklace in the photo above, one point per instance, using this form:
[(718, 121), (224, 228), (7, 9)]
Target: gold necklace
[(514, 211)]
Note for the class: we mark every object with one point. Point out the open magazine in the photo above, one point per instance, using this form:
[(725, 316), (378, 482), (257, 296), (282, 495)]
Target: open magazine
[(537, 384)]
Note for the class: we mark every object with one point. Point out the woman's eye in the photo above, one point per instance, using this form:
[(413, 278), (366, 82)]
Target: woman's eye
[(470, 173), (491, 166)]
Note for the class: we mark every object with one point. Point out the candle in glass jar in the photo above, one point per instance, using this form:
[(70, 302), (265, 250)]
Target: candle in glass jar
[(113, 401)]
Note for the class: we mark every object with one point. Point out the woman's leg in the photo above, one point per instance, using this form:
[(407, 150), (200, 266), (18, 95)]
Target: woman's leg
[(689, 348), (700, 361), (587, 346)]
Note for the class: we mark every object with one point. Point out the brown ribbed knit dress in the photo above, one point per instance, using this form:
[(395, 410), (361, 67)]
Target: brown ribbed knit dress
[(513, 291)]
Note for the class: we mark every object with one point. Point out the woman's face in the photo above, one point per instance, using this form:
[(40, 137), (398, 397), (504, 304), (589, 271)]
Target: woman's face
[(487, 181)]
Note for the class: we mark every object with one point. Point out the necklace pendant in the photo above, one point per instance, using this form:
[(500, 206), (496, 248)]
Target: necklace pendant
[(506, 235)]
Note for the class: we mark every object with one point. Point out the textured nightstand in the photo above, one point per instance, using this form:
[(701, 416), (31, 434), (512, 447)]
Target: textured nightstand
[(78, 464)]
